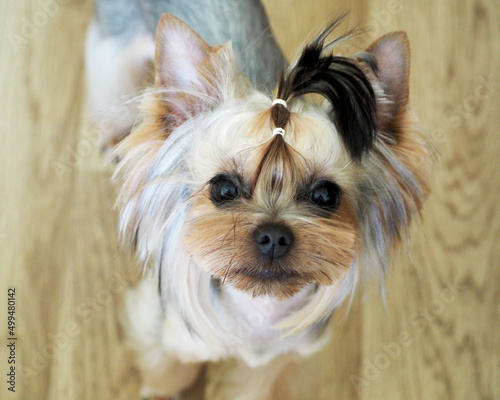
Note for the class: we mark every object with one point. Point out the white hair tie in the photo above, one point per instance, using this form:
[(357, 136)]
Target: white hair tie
[(280, 101), (279, 131)]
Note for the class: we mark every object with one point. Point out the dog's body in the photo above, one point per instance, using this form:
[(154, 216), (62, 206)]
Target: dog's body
[(257, 217)]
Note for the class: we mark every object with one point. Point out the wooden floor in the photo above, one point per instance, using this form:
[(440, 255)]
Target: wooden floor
[(440, 335)]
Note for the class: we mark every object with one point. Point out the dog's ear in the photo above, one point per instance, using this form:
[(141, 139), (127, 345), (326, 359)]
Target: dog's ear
[(389, 60), (394, 180), (399, 172), (190, 74)]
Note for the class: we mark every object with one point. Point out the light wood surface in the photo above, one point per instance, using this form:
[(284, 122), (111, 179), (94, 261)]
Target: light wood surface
[(439, 337)]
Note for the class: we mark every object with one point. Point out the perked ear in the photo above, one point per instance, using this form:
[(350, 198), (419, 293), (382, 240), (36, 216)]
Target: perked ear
[(188, 72), (391, 56)]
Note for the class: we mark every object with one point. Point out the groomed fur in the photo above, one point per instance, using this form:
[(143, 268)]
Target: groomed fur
[(340, 81), (213, 122)]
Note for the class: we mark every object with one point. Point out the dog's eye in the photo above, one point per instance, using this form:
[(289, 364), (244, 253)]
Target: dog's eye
[(223, 190), (326, 194)]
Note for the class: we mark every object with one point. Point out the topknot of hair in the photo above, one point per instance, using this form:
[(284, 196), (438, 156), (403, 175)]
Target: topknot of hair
[(341, 82), (280, 115)]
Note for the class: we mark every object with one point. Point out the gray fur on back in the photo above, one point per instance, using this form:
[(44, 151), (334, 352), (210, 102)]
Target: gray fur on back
[(244, 22)]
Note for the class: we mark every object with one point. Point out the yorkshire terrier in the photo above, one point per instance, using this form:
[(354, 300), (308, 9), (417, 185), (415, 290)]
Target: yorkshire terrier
[(257, 215)]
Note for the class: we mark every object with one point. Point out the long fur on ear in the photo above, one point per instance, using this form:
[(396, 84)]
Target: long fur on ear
[(394, 179), (390, 177), (340, 81)]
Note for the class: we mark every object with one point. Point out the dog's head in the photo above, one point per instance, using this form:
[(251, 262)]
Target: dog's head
[(270, 197)]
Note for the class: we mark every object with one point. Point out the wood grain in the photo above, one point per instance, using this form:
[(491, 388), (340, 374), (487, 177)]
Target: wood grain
[(439, 335)]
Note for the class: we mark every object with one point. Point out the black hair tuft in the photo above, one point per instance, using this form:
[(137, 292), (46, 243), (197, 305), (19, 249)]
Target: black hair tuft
[(342, 83)]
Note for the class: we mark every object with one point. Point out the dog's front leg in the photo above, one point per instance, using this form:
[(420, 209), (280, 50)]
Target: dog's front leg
[(163, 375), (236, 380)]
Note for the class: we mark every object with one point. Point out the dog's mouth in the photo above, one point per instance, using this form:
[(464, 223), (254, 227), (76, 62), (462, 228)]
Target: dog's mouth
[(269, 280), (270, 275)]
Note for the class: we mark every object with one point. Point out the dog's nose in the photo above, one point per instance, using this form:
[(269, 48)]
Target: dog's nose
[(273, 240)]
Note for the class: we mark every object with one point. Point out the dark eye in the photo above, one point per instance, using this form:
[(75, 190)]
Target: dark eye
[(223, 189), (326, 194)]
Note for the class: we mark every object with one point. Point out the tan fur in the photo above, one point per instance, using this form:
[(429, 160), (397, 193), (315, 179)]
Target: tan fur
[(210, 121)]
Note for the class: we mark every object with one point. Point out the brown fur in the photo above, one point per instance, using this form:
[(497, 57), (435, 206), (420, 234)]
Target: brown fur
[(273, 171), (221, 239), (280, 115), (400, 128), (203, 126)]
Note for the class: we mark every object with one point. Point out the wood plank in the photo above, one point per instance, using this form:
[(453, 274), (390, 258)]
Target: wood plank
[(446, 302), (58, 246)]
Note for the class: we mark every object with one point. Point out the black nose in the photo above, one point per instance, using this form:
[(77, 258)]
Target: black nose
[(273, 240)]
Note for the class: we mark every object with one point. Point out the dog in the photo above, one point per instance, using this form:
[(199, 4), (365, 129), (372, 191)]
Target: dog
[(256, 214)]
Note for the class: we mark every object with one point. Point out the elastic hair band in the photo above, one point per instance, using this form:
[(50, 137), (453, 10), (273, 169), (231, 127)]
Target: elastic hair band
[(280, 101), (279, 131)]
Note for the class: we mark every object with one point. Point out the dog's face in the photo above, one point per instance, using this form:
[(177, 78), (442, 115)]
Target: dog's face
[(269, 213)]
